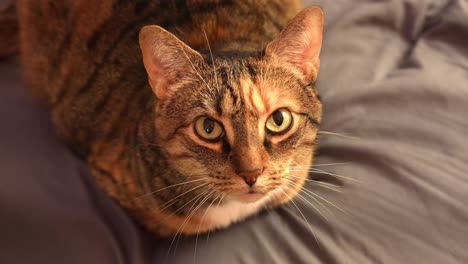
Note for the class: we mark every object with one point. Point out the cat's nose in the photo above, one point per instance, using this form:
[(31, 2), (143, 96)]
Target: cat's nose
[(250, 177)]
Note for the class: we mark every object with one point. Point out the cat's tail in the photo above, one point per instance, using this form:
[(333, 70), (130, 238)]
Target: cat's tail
[(9, 42)]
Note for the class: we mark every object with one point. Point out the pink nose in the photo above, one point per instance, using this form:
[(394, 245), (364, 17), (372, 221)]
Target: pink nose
[(250, 177)]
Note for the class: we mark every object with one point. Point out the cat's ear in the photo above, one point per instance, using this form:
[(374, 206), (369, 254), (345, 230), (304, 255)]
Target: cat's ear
[(298, 44), (166, 58)]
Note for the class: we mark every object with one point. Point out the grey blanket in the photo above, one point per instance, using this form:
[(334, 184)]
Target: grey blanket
[(393, 154)]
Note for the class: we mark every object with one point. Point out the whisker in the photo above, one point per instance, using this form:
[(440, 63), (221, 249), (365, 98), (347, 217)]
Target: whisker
[(168, 187), (191, 200), (323, 184), (148, 144), (212, 59), (167, 205), (303, 216), (261, 71), (307, 201), (199, 224), (321, 165), (331, 164), (336, 134), (187, 219), (219, 202), (333, 174), (309, 193), (192, 213), (194, 69), (325, 200), (327, 173)]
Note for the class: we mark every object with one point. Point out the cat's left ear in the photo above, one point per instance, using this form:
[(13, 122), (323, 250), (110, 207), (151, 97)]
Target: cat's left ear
[(167, 59), (298, 44)]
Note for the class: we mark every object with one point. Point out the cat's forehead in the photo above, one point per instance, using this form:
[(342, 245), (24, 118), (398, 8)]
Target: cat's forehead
[(253, 87)]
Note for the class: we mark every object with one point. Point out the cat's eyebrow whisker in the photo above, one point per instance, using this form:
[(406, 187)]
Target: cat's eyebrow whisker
[(336, 134), (261, 70), (148, 144), (212, 60), (168, 187), (194, 69), (323, 184)]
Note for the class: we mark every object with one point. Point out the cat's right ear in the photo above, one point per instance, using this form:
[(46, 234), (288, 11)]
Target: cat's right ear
[(166, 58)]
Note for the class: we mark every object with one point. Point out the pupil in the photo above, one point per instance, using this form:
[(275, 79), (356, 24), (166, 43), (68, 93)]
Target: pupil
[(278, 118), (208, 125)]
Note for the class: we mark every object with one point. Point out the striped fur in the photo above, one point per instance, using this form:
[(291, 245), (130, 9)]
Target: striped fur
[(83, 58)]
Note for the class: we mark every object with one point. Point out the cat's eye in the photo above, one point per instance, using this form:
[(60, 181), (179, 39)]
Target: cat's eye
[(280, 121), (208, 129)]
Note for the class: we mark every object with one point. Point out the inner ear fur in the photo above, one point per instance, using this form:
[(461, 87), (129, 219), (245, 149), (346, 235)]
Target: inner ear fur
[(167, 59)]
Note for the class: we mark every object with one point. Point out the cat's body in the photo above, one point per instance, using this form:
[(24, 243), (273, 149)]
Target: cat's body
[(140, 139)]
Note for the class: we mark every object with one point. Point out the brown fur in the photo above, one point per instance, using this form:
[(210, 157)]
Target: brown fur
[(8, 30), (85, 61)]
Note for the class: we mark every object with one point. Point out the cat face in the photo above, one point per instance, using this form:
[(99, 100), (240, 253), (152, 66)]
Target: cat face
[(236, 124), (241, 127)]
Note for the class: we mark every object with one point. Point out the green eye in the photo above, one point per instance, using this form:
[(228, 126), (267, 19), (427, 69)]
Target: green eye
[(280, 121), (208, 129)]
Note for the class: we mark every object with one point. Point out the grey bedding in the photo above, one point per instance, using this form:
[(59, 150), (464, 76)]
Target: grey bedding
[(393, 79)]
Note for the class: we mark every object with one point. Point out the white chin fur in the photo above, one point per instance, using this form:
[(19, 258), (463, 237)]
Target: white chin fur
[(232, 211)]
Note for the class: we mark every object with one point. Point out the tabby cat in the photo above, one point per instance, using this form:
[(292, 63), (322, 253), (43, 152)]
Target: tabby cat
[(191, 113)]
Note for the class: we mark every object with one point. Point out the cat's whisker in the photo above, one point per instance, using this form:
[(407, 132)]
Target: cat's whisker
[(261, 70), (335, 175), (320, 165), (325, 200), (309, 193), (337, 134), (302, 215), (194, 69), (323, 184), (199, 225), (191, 200), (320, 171), (187, 218), (191, 214), (217, 205), (307, 201), (168, 203), (168, 187), (212, 60), (148, 144), (331, 164)]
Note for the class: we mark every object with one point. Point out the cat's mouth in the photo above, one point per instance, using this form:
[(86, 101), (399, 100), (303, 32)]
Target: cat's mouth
[(249, 195)]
